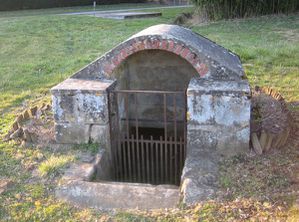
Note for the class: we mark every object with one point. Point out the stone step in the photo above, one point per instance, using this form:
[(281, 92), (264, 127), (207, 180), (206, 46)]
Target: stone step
[(114, 195)]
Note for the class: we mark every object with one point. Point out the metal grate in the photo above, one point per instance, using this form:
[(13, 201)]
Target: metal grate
[(147, 155)]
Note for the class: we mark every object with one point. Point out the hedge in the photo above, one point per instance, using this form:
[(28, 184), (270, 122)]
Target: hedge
[(219, 9)]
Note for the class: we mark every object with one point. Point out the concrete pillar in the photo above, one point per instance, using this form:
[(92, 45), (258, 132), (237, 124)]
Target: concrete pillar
[(217, 126), (81, 111)]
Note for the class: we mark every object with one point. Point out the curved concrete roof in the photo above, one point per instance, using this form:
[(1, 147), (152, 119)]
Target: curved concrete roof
[(208, 58), (203, 45)]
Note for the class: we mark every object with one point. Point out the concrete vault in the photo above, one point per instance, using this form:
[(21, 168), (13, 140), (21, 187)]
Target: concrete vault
[(165, 90)]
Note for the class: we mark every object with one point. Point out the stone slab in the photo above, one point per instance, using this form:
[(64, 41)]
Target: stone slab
[(82, 85), (112, 195), (69, 133), (80, 107), (77, 188), (100, 134), (128, 15), (206, 86)]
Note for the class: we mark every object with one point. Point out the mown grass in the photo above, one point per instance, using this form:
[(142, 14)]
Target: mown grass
[(268, 47), (41, 49), (30, 12), (37, 52)]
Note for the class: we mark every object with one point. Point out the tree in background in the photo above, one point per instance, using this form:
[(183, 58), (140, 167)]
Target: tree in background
[(219, 9)]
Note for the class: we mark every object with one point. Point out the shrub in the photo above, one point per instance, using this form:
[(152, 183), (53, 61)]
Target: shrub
[(219, 9)]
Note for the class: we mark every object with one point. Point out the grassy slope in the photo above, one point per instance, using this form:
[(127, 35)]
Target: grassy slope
[(39, 51), (268, 47)]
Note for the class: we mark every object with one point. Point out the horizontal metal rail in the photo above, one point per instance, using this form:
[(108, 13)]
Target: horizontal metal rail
[(147, 91), (151, 120)]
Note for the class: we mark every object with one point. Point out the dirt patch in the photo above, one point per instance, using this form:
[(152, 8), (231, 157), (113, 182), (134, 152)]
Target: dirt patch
[(4, 185), (34, 125), (290, 34)]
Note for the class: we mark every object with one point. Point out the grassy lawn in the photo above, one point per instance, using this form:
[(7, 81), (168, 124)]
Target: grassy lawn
[(41, 49), (76, 9)]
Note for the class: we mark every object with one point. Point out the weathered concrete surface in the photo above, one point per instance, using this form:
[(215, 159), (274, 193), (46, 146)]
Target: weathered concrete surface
[(118, 195), (81, 101), (86, 169), (199, 176), (218, 127), (81, 111), (76, 187), (219, 115)]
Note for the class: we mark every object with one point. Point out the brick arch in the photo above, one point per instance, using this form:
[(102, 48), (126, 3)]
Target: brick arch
[(118, 55)]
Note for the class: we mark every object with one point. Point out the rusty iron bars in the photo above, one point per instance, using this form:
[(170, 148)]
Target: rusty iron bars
[(154, 160)]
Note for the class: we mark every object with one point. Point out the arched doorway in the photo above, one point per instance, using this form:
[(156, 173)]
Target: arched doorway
[(148, 109)]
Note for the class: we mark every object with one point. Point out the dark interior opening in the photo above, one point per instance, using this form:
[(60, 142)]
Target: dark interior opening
[(149, 157), (147, 132)]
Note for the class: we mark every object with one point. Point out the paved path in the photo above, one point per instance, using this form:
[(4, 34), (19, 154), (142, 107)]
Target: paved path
[(123, 10)]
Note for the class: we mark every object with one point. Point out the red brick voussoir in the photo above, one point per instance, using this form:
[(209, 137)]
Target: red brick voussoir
[(137, 45)]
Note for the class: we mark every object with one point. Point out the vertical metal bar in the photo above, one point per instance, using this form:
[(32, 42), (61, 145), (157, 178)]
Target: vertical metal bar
[(171, 160), (137, 142), (166, 159), (185, 122), (157, 164), (176, 165), (165, 135), (175, 141), (165, 116), (133, 158), (151, 160), (174, 117), (124, 157), (122, 154), (129, 159), (147, 163), (112, 143), (127, 114), (128, 136), (143, 166), (122, 169), (118, 148), (162, 165), (181, 154)]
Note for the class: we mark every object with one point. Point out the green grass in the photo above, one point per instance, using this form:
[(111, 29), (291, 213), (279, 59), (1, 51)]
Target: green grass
[(75, 9), (41, 49), (268, 47), (34, 58), (54, 165)]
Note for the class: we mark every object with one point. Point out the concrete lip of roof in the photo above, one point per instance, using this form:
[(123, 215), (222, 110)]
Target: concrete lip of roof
[(128, 15)]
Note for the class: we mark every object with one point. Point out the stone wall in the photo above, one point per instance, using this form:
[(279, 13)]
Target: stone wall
[(218, 127), (81, 111)]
